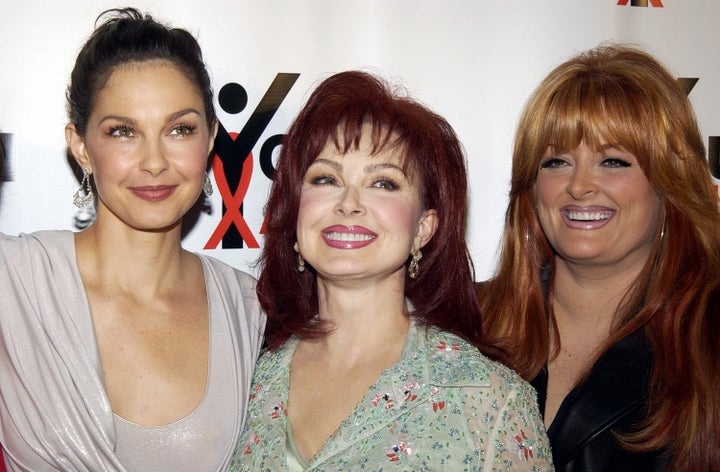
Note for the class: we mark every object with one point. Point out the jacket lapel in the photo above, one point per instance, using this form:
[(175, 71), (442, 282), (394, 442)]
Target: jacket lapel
[(401, 388), (431, 361), (616, 386)]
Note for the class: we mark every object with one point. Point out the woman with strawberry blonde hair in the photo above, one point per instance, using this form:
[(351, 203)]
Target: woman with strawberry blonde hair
[(606, 296)]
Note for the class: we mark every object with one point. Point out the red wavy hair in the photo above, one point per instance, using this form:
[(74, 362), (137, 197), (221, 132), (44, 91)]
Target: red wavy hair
[(443, 294)]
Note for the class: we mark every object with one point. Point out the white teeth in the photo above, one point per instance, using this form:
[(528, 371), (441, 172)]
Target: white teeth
[(589, 216), (335, 236)]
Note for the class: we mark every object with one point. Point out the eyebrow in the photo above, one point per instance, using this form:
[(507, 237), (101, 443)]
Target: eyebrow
[(368, 168), (171, 117), (383, 166)]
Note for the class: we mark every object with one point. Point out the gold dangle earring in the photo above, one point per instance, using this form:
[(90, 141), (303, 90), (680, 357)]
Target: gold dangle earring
[(414, 268), (300, 260)]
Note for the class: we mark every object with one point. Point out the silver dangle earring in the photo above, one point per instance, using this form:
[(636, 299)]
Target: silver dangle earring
[(207, 186), (84, 195), (414, 268), (300, 260)]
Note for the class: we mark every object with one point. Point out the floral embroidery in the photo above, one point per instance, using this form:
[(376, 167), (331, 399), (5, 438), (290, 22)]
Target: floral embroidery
[(256, 389), (523, 446), (409, 392), (443, 346), (399, 444), (396, 450), (278, 411), (460, 412), (383, 397), (437, 404), (253, 440)]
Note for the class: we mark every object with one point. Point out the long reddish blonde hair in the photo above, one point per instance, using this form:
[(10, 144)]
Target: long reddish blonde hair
[(624, 97)]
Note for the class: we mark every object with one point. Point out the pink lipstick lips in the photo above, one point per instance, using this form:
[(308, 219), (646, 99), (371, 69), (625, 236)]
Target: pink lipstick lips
[(348, 237), (153, 193), (587, 218)]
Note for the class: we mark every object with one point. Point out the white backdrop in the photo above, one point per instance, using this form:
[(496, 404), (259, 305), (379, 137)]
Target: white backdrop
[(474, 62)]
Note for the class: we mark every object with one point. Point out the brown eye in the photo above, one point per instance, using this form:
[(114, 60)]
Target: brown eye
[(183, 130), (553, 163), (385, 183), (614, 162), (323, 180), (121, 131)]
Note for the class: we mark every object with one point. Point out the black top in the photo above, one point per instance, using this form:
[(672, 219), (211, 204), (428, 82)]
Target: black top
[(611, 399)]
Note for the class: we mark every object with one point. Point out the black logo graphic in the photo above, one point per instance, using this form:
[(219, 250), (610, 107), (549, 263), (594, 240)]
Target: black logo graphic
[(233, 160), (641, 3), (5, 146)]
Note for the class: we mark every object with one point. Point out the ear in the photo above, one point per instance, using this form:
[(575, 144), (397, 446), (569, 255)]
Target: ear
[(426, 228), (213, 134), (76, 145)]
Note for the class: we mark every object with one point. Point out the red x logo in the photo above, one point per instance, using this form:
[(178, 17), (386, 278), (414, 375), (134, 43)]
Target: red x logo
[(232, 203)]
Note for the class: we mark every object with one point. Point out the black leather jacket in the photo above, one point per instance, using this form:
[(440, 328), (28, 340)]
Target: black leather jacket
[(611, 399)]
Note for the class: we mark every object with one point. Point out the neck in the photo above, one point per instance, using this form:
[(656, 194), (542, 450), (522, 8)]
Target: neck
[(589, 298), (365, 318), (142, 262)]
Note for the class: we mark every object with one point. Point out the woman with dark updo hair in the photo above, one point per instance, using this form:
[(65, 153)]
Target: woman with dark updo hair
[(120, 350)]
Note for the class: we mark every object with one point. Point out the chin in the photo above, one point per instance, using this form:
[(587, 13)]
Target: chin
[(161, 226)]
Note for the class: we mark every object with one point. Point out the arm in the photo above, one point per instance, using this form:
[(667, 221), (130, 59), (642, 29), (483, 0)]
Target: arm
[(515, 437)]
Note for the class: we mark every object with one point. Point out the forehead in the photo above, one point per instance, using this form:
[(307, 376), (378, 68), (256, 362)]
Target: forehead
[(141, 85)]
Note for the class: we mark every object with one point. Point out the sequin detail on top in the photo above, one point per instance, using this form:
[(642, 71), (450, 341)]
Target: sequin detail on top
[(443, 406)]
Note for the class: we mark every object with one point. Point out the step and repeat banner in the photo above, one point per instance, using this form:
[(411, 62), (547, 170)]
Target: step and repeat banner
[(474, 62)]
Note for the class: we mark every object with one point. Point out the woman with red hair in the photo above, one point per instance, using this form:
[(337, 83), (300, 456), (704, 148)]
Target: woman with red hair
[(607, 294), (368, 289)]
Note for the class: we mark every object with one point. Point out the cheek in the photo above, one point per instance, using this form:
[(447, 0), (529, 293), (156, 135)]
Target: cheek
[(111, 167), (194, 159), (651, 204), (402, 216), (546, 189), (310, 207), (544, 194), (542, 201), (636, 192)]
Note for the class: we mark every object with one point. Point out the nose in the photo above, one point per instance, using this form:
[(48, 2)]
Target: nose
[(582, 182), (153, 159), (350, 202)]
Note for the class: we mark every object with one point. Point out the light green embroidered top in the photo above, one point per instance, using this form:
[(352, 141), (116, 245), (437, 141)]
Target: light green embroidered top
[(442, 406)]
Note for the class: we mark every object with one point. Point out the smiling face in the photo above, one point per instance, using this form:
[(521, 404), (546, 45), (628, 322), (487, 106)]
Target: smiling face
[(360, 214), (597, 207), (146, 144)]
